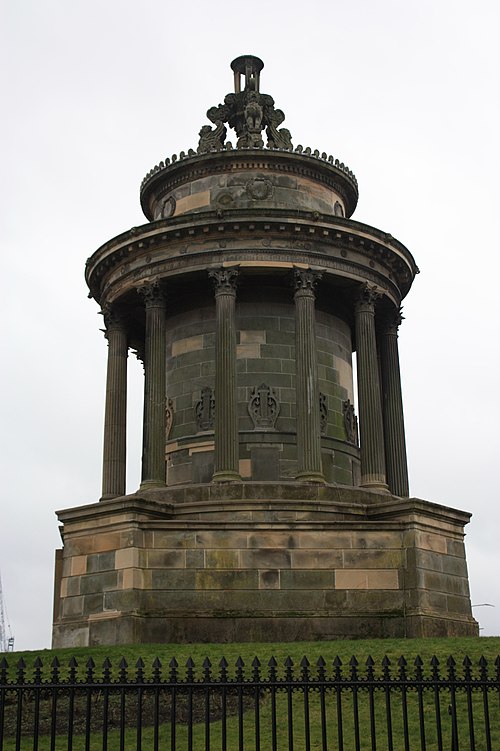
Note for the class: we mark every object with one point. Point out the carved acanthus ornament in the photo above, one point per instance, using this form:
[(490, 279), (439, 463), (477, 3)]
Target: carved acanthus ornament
[(391, 323), (112, 317), (225, 280), (367, 297), (152, 294), (305, 280), (249, 113)]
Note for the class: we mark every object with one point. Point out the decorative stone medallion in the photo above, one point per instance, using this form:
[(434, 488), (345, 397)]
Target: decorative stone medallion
[(259, 189)]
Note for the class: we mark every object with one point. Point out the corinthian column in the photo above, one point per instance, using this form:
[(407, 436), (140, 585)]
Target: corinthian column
[(155, 363), (370, 409), (392, 407), (307, 393), (115, 414), (226, 460)]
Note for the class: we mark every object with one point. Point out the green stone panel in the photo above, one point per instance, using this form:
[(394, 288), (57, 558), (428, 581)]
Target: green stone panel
[(98, 582)]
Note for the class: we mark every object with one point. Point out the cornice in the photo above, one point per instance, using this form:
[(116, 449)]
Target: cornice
[(307, 238)]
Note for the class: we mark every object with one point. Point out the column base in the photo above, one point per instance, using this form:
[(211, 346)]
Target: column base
[(310, 477), (110, 496), (382, 487), (149, 484), (226, 475)]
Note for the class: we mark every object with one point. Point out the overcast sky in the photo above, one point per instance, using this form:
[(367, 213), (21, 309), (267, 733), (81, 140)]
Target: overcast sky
[(95, 93)]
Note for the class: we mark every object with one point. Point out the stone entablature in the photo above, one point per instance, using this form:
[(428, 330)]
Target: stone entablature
[(339, 246)]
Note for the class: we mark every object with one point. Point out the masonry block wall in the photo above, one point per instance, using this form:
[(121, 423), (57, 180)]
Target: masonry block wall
[(265, 355), (255, 569)]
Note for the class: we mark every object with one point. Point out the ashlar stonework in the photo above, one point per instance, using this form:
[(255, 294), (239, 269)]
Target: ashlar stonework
[(268, 509)]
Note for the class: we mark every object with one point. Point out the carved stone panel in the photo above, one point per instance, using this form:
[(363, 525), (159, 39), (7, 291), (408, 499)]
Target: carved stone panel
[(205, 410), (323, 413), (169, 417), (263, 407), (350, 422)]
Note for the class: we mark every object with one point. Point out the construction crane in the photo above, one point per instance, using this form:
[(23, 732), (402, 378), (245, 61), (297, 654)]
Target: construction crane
[(6, 638)]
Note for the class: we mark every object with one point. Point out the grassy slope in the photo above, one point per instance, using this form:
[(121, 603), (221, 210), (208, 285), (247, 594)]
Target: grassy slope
[(393, 648), (474, 648)]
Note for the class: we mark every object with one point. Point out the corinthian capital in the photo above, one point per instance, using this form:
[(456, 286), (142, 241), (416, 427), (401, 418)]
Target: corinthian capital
[(112, 317), (152, 294), (391, 322), (225, 280), (305, 280), (367, 297)]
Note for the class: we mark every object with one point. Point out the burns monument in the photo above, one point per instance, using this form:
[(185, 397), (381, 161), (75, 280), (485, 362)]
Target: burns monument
[(265, 512)]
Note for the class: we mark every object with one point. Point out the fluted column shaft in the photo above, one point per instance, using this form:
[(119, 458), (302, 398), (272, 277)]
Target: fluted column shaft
[(226, 460), (115, 414), (307, 392), (392, 407), (155, 363), (371, 427)]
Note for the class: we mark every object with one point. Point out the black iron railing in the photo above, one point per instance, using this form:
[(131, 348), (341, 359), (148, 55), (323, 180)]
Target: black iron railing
[(328, 707)]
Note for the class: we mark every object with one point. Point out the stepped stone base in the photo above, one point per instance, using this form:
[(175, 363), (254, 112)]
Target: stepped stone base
[(260, 562)]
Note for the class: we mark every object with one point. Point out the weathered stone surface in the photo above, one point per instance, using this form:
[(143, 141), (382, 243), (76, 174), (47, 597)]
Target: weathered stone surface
[(253, 386)]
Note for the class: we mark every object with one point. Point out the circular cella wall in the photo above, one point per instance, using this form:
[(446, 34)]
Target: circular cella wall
[(266, 386)]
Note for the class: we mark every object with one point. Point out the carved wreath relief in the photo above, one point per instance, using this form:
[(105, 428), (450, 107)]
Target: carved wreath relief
[(263, 407)]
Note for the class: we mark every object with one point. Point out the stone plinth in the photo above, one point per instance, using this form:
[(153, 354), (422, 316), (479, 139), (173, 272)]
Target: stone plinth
[(263, 562)]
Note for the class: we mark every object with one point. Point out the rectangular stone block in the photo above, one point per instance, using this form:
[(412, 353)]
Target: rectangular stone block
[(78, 565), (316, 559), (247, 351), (269, 579), (195, 558), (98, 582), (226, 580), (269, 539), (372, 558), (100, 562), (218, 539), (254, 336), (126, 558), (222, 559), (266, 558), (166, 559), (189, 344), (366, 579), (192, 202), (309, 580), (173, 579), (379, 539), (431, 541), (446, 583), (174, 539), (325, 539), (72, 606)]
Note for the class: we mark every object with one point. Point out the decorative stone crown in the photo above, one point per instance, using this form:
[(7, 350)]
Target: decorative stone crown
[(251, 114)]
